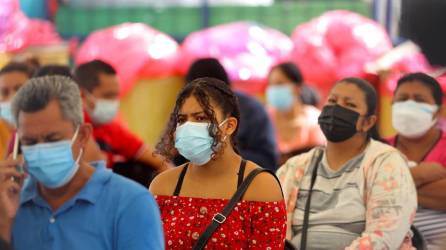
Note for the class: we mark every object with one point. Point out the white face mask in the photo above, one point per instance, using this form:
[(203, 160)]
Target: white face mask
[(104, 111), (413, 119)]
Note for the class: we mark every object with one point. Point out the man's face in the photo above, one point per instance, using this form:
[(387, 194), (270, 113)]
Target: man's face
[(49, 125), (108, 89), (10, 83)]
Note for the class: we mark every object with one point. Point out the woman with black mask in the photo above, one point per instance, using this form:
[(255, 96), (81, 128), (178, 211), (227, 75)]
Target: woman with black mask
[(355, 193)]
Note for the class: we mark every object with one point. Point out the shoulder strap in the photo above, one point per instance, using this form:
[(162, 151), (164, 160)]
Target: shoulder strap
[(304, 234), (241, 173), (220, 218), (180, 181)]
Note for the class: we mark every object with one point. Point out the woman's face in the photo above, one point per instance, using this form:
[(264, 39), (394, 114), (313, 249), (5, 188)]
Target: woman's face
[(414, 110), (191, 111), (277, 77), (348, 96), (351, 97), (415, 91), (10, 83)]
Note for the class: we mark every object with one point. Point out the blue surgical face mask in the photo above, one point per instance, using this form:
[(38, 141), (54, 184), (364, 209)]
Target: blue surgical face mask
[(5, 112), (280, 97), (192, 140), (52, 164)]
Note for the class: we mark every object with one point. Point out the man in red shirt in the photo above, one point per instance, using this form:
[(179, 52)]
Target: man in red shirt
[(100, 91)]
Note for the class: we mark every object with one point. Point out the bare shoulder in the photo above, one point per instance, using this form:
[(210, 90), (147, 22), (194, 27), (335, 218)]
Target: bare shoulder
[(264, 187), (164, 183)]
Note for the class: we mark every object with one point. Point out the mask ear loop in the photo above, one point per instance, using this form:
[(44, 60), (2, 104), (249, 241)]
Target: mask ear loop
[(361, 118), (219, 125), (369, 133), (75, 135), (81, 152), (224, 138)]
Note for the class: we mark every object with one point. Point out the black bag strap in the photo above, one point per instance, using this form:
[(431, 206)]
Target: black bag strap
[(180, 181), (220, 218), (241, 173), (304, 234)]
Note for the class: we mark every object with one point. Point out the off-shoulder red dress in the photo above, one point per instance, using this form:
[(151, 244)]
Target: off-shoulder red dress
[(251, 225)]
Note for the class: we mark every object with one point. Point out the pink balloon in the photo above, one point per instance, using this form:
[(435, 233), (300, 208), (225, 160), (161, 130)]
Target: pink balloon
[(135, 50), (17, 31), (42, 32), (335, 45), (8, 9), (246, 50)]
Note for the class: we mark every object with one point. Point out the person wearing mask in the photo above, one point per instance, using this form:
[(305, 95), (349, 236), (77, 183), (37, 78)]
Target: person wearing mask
[(100, 91), (255, 137), (417, 104), (92, 151), (66, 203), (355, 193), (296, 124), (12, 77), (203, 128)]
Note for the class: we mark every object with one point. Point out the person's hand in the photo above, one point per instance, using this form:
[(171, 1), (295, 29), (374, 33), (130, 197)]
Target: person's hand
[(11, 181)]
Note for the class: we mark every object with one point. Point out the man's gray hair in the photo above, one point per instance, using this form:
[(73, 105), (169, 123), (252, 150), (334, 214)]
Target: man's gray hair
[(38, 92)]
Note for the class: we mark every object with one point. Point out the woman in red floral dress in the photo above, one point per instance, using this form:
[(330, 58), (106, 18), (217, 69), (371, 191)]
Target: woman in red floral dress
[(202, 128)]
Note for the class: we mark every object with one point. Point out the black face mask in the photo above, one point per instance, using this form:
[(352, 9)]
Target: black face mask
[(338, 123)]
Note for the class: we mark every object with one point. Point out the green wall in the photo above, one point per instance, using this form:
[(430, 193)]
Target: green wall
[(180, 21)]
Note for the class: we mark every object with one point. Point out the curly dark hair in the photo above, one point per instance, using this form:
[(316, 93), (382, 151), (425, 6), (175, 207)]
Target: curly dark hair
[(205, 90)]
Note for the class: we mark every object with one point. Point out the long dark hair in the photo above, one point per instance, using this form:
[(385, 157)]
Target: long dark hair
[(205, 90), (371, 100)]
